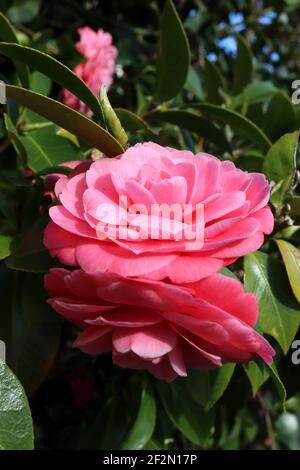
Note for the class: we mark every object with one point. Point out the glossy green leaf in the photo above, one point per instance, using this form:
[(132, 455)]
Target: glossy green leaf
[(213, 82), (174, 55), (280, 161), (193, 123), (130, 121), (54, 69), (279, 313), (240, 124), (8, 34), (206, 388), (243, 66), (291, 258), (67, 118), (144, 424), (16, 428), (257, 374), (186, 415), (280, 116)]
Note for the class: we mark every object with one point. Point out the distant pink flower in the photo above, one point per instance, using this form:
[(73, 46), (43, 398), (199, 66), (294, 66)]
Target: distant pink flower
[(163, 328), (236, 215), (98, 68)]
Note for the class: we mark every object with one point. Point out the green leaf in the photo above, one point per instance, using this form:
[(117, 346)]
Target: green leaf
[(193, 123), (16, 139), (279, 313), (67, 118), (294, 202), (5, 244), (187, 416), (243, 66), (109, 427), (253, 93), (279, 193), (23, 11), (174, 55), (29, 327), (39, 83), (45, 149), (280, 116), (144, 424), (54, 69), (228, 273), (7, 33), (278, 383), (130, 121), (239, 123), (213, 82), (16, 428), (206, 388), (62, 170), (31, 255), (257, 373), (280, 161), (67, 135), (291, 258), (193, 83)]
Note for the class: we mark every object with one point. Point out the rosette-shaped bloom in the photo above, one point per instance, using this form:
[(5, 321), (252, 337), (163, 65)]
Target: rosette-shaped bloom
[(89, 221), (98, 68), (158, 326)]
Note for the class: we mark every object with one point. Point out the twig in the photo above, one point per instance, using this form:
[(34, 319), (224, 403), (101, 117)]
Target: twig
[(268, 421)]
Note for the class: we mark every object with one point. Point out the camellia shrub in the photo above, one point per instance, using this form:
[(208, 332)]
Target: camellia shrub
[(149, 226)]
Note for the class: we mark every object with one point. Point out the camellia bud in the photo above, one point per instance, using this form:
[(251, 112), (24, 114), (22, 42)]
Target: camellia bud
[(111, 120)]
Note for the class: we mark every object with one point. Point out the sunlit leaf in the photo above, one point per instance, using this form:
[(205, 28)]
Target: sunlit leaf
[(291, 258)]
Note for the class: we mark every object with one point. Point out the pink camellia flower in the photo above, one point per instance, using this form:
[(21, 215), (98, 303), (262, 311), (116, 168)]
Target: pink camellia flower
[(161, 327), (236, 215), (98, 68), (76, 166)]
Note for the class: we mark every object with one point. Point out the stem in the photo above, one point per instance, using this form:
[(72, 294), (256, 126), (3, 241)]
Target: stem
[(268, 420)]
